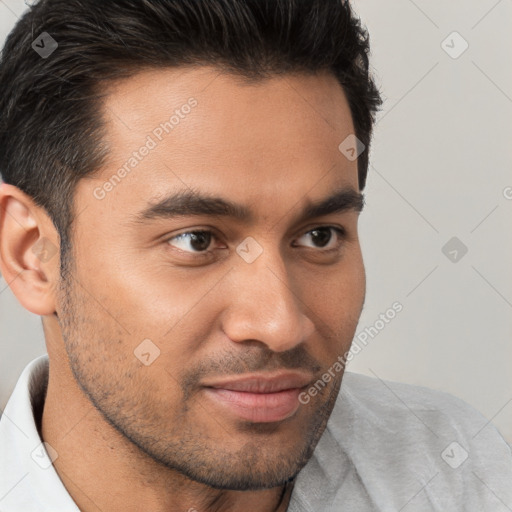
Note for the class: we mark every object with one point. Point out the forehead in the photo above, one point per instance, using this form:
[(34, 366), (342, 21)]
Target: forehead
[(177, 128)]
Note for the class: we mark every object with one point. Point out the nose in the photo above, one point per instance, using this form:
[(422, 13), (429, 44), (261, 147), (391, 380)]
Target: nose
[(264, 306)]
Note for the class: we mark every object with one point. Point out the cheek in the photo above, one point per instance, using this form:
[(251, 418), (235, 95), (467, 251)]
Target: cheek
[(130, 290), (351, 293), (340, 289), (337, 305)]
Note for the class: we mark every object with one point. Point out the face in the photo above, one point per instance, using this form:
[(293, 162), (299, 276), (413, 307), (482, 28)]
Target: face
[(193, 325)]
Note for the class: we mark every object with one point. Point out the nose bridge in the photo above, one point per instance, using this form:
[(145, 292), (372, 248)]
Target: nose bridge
[(263, 305)]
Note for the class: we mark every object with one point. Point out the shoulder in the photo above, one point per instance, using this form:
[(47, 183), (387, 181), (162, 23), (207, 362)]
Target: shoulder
[(401, 435), (378, 394), (410, 409)]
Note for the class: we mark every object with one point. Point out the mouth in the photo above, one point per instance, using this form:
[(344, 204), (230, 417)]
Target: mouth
[(260, 398)]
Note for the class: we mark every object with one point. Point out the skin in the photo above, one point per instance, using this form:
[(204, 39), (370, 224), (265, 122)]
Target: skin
[(134, 437)]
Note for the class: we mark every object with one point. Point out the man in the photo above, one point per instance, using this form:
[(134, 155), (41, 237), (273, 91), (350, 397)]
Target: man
[(183, 181)]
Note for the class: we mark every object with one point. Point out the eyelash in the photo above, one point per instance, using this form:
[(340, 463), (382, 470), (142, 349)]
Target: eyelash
[(339, 231)]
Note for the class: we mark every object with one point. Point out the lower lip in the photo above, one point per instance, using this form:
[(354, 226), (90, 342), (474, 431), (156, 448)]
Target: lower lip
[(258, 407)]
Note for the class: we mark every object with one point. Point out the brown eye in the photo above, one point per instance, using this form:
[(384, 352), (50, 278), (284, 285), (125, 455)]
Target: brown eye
[(322, 237), (192, 241)]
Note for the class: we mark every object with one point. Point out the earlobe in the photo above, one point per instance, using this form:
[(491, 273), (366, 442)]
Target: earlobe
[(29, 254)]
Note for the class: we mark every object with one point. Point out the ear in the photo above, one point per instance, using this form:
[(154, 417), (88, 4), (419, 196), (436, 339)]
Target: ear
[(29, 251)]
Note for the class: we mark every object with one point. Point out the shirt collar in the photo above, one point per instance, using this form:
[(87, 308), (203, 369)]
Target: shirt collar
[(28, 480)]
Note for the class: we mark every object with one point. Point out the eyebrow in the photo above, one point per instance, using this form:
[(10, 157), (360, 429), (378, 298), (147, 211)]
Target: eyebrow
[(195, 203)]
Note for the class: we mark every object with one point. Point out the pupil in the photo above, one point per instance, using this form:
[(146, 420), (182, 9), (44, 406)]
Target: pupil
[(198, 240), (325, 238)]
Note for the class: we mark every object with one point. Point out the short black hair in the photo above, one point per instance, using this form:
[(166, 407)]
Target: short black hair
[(51, 126)]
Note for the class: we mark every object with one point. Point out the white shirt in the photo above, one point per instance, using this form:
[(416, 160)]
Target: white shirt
[(387, 447)]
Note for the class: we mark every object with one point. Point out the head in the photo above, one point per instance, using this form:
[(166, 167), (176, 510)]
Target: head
[(188, 161)]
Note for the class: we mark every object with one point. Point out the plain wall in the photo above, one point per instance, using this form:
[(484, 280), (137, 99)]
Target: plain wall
[(441, 164)]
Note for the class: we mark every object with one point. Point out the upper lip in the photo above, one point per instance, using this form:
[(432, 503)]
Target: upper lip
[(264, 383)]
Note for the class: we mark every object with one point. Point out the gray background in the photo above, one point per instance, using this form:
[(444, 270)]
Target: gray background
[(441, 165)]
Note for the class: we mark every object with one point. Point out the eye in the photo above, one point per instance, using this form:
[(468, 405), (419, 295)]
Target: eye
[(322, 237), (199, 241)]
